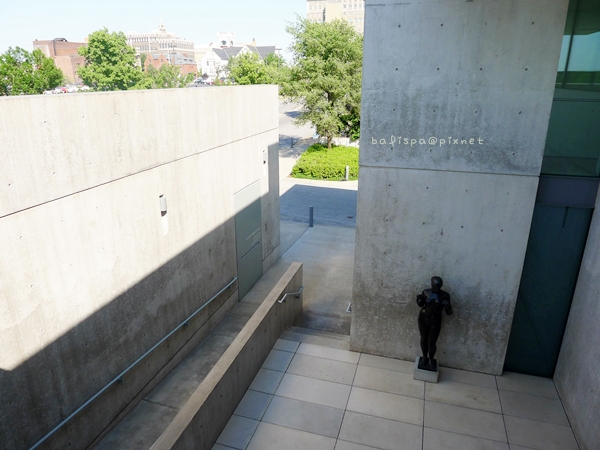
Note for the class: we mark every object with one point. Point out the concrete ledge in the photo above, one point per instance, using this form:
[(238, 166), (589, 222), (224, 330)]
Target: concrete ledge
[(201, 420)]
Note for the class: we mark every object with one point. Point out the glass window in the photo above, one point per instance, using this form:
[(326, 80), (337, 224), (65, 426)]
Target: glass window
[(573, 141)]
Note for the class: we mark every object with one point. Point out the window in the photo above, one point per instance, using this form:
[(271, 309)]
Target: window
[(572, 144)]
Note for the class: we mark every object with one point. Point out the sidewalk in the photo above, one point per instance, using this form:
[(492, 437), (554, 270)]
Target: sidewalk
[(314, 397)]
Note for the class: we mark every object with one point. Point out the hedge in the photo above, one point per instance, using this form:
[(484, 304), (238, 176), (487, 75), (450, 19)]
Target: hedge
[(320, 163)]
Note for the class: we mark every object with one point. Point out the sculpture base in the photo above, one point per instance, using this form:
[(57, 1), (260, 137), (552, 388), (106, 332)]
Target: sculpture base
[(421, 373)]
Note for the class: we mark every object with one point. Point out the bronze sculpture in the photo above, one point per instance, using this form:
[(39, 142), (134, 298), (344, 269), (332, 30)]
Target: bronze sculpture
[(432, 302)]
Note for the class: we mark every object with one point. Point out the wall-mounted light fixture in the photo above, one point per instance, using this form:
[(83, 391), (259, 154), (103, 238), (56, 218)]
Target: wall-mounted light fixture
[(163, 205), (264, 156)]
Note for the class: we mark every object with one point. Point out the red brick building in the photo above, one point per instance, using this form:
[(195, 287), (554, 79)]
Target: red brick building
[(64, 54)]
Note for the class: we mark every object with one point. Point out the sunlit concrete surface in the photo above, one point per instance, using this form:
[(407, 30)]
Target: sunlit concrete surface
[(316, 396)]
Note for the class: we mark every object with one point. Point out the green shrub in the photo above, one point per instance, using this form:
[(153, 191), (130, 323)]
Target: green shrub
[(320, 163)]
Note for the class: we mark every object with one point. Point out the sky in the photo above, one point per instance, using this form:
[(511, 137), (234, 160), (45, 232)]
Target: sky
[(196, 20)]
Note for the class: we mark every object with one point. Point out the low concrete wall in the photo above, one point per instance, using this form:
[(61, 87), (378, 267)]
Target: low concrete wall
[(577, 375), (92, 274), (204, 416)]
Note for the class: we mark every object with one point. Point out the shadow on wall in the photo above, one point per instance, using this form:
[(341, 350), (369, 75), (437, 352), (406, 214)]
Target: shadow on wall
[(332, 206), (45, 389)]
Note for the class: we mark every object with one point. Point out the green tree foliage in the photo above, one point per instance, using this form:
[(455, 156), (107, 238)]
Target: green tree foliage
[(109, 62), (249, 68), (166, 77), (22, 72), (326, 76)]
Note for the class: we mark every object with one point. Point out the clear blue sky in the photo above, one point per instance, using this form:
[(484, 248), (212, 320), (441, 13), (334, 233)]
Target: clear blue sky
[(197, 20)]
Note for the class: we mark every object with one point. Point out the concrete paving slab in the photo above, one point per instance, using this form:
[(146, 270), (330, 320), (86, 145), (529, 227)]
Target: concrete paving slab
[(321, 338), (238, 432), (304, 416), (221, 447), (472, 422), (266, 381), (286, 346), (329, 353), (539, 435), (344, 445), (475, 397), (379, 362), (533, 407), (321, 392), (387, 406), (389, 381), (322, 369), (275, 437), (381, 433), (278, 360), (462, 376), (436, 439), (253, 405), (527, 384)]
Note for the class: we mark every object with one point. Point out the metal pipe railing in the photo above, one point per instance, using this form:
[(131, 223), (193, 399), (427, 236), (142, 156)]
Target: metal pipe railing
[(297, 294), (120, 376)]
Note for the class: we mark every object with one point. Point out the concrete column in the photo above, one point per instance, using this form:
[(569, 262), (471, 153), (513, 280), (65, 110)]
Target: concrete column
[(577, 377), (456, 102)]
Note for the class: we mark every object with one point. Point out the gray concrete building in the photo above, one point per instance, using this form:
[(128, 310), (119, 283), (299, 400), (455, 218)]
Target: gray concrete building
[(479, 163)]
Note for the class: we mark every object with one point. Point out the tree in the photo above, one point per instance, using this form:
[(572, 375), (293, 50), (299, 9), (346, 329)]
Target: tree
[(109, 62), (250, 68), (168, 76), (326, 76), (22, 72)]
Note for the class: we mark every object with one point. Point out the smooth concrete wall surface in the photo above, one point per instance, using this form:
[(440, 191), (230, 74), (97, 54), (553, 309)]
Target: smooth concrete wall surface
[(577, 375), (92, 274), (456, 102), (201, 420), (440, 225), (456, 85)]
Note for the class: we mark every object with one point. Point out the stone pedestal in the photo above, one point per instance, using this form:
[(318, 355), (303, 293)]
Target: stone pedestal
[(426, 375)]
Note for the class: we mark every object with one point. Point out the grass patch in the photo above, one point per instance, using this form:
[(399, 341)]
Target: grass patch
[(320, 163)]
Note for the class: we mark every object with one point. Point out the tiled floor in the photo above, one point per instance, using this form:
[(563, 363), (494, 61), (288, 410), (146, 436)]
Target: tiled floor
[(308, 396)]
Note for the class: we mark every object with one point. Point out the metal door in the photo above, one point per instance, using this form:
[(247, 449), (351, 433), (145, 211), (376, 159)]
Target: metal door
[(248, 237)]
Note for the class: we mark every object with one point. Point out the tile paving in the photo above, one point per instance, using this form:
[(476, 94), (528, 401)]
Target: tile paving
[(316, 395)]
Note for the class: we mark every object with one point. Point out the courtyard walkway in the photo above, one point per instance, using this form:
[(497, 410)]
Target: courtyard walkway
[(315, 395)]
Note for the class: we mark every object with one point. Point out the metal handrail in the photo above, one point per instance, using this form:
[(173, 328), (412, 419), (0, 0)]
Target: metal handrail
[(120, 377), (297, 294)]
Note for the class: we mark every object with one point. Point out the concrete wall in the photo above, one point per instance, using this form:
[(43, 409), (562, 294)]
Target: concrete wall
[(456, 102), (92, 274), (201, 420), (577, 375)]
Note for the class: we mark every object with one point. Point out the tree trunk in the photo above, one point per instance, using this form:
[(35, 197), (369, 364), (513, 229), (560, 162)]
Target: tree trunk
[(329, 141)]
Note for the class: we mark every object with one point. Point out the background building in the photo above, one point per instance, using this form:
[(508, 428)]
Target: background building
[(186, 64), (159, 41), (212, 59), (352, 11), (479, 163), (64, 54)]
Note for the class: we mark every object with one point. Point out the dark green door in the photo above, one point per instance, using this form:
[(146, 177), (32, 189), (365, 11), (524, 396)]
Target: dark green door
[(554, 253), (248, 237)]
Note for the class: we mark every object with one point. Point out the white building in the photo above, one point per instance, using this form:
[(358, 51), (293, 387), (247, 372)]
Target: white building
[(159, 41)]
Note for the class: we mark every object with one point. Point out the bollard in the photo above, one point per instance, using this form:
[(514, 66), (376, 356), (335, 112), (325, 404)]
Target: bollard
[(347, 172), (310, 216)]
